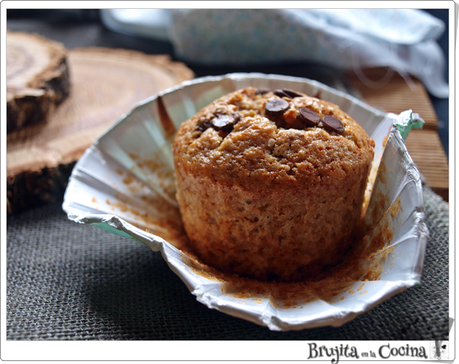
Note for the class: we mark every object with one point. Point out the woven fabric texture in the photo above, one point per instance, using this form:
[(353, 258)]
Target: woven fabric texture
[(67, 281)]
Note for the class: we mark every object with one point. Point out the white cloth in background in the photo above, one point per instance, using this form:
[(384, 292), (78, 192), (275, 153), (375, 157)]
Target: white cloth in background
[(402, 39)]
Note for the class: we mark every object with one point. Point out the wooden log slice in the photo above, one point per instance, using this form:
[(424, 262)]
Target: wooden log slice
[(106, 83), (37, 78)]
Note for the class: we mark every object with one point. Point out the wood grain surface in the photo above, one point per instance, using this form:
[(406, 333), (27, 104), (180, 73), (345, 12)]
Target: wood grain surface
[(37, 78), (105, 84), (390, 92)]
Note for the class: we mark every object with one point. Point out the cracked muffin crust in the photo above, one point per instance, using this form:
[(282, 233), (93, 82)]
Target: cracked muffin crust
[(271, 184)]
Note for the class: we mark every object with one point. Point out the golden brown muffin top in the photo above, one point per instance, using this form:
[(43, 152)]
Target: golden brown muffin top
[(255, 138)]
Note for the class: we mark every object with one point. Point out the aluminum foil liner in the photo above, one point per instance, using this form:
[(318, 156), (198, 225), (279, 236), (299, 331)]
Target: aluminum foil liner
[(124, 184)]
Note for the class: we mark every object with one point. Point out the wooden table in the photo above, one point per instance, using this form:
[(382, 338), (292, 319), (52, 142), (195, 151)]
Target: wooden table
[(396, 94)]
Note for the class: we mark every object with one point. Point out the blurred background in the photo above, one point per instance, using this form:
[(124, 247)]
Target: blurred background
[(147, 31)]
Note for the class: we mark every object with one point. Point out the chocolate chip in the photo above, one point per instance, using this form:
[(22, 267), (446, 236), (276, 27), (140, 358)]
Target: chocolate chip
[(280, 93), (224, 122), (203, 124), (261, 91), (276, 107), (285, 92), (333, 124), (290, 93), (308, 117)]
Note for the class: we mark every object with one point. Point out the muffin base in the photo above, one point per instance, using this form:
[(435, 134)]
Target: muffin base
[(266, 235)]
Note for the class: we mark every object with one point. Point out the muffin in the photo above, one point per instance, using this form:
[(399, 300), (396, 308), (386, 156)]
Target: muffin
[(271, 183)]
